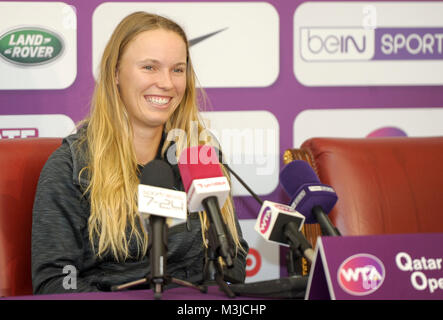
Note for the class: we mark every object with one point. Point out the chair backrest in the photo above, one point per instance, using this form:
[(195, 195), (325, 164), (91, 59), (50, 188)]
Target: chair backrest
[(21, 161), (384, 185)]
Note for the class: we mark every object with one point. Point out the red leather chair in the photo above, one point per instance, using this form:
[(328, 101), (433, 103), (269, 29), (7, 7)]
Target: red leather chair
[(384, 185), (21, 161)]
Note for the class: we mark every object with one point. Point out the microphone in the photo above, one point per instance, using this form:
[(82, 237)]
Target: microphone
[(286, 222), (290, 287), (286, 229), (156, 202), (282, 224), (207, 189), (308, 195)]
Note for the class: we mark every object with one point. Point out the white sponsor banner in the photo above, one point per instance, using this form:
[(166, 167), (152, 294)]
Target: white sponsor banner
[(360, 123), (263, 260), (251, 147), (38, 45), (232, 44), (36, 125), (368, 43)]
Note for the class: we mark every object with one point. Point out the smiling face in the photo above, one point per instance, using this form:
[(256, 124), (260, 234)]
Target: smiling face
[(151, 77)]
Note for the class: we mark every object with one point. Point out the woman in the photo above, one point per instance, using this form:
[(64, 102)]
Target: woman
[(85, 214)]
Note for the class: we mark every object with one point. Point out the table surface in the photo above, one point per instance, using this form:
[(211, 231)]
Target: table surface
[(178, 293)]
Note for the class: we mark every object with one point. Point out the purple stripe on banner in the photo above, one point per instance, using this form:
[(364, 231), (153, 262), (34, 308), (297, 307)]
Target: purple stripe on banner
[(408, 44)]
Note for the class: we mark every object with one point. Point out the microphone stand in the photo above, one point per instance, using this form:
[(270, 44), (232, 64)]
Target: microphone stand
[(218, 246), (326, 226), (157, 279), (298, 243), (294, 263), (213, 271)]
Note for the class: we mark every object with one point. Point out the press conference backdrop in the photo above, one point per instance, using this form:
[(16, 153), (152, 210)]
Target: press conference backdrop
[(276, 73)]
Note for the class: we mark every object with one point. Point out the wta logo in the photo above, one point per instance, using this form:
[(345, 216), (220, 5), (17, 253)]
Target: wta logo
[(361, 274), (265, 220)]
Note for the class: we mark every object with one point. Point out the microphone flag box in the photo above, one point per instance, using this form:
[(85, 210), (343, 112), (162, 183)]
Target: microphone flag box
[(162, 202), (201, 189), (272, 220), (377, 267)]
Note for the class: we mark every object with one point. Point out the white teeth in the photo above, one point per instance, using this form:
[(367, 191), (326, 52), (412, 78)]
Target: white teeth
[(158, 100)]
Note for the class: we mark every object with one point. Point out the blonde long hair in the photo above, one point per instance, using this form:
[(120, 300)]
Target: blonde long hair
[(112, 164)]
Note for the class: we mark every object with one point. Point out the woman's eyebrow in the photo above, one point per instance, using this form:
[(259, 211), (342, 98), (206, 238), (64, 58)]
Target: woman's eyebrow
[(154, 61), (148, 60)]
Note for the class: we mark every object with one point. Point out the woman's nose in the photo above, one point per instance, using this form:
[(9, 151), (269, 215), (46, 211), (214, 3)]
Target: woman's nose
[(164, 80)]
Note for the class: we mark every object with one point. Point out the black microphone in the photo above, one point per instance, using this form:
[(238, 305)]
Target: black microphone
[(156, 201), (308, 195)]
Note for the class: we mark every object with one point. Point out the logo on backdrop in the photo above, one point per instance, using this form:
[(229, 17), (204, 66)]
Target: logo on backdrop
[(35, 125), (350, 44), (194, 41), (253, 262), (14, 133), (381, 43), (374, 122), (30, 46), (263, 259), (38, 45), (361, 274), (336, 44), (387, 132), (235, 68)]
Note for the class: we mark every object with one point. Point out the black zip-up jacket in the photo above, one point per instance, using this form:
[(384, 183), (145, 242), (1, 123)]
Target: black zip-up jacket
[(60, 240)]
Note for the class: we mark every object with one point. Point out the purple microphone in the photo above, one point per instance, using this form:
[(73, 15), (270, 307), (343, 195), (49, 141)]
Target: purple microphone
[(308, 195)]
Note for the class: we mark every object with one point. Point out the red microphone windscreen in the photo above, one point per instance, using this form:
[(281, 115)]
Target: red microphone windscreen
[(200, 162)]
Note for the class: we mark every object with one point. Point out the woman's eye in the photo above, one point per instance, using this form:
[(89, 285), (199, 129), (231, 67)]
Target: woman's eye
[(179, 70), (148, 67)]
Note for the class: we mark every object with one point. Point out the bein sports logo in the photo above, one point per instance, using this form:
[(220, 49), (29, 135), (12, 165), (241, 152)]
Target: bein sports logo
[(327, 44), (265, 220), (336, 44), (361, 274)]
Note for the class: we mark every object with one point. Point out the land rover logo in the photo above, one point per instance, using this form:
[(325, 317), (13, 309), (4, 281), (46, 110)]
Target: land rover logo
[(30, 46)]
